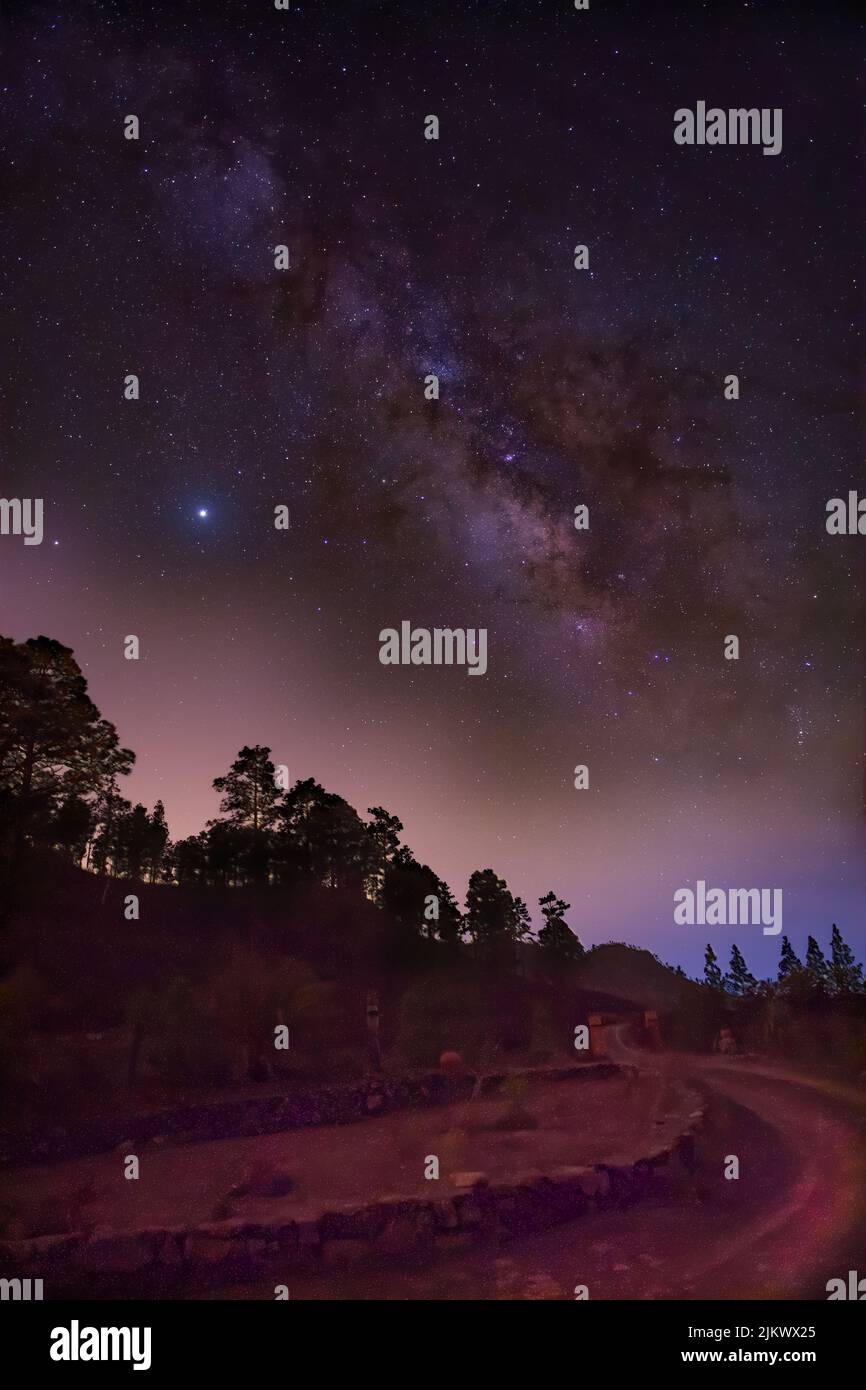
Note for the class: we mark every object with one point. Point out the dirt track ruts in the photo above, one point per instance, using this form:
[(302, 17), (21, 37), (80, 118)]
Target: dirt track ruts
[(795, 1218)]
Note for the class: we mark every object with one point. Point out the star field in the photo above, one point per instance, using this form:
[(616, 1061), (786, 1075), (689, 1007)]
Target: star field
[(558, 387)]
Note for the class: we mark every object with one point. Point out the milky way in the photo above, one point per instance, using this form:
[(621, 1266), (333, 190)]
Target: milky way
[(558, 387)]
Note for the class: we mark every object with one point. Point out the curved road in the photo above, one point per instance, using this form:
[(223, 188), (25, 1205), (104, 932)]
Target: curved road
[(794, 1218)]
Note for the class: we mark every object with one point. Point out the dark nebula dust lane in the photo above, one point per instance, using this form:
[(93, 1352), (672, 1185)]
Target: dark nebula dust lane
[(558, 388)]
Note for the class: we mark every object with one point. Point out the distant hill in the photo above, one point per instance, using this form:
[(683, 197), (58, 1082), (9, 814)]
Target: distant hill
[(632, 973)]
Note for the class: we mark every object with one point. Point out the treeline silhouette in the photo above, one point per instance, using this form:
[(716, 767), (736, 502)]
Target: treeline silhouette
[(796, 981), (60, 765), (289, 907)]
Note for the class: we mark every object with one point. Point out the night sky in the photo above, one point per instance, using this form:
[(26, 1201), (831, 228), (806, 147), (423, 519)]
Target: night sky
[(558, 387)]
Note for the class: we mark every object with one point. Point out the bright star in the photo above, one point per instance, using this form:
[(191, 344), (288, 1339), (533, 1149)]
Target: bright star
[(202, 511)]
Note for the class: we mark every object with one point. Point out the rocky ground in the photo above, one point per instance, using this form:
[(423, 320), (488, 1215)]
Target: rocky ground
[(567, 1124)]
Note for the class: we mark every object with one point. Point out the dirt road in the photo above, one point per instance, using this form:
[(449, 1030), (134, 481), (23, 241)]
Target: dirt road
[(793, 1219)]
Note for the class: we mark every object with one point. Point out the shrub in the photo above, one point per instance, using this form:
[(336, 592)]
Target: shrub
[(182, 1041)]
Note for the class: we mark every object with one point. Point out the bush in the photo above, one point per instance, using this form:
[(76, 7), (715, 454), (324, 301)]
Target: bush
[(21, 995), (253, 994), (224, 1030), (183, 1043), (443, 1013), (516, 1115)]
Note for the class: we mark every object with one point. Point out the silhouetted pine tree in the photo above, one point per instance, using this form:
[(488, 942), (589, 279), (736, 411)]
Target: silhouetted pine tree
[(739, 979), (54, 743), (522, 920), (418, 900), (816, 965), (788, 961), (846, 976), (556, 935), (249, 790), (384, 832), (712, 972), (157, 841), (492, 917)]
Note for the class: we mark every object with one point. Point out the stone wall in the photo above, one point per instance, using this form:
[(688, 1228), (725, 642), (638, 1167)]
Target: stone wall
[(170, 1262), (321, 1105)]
